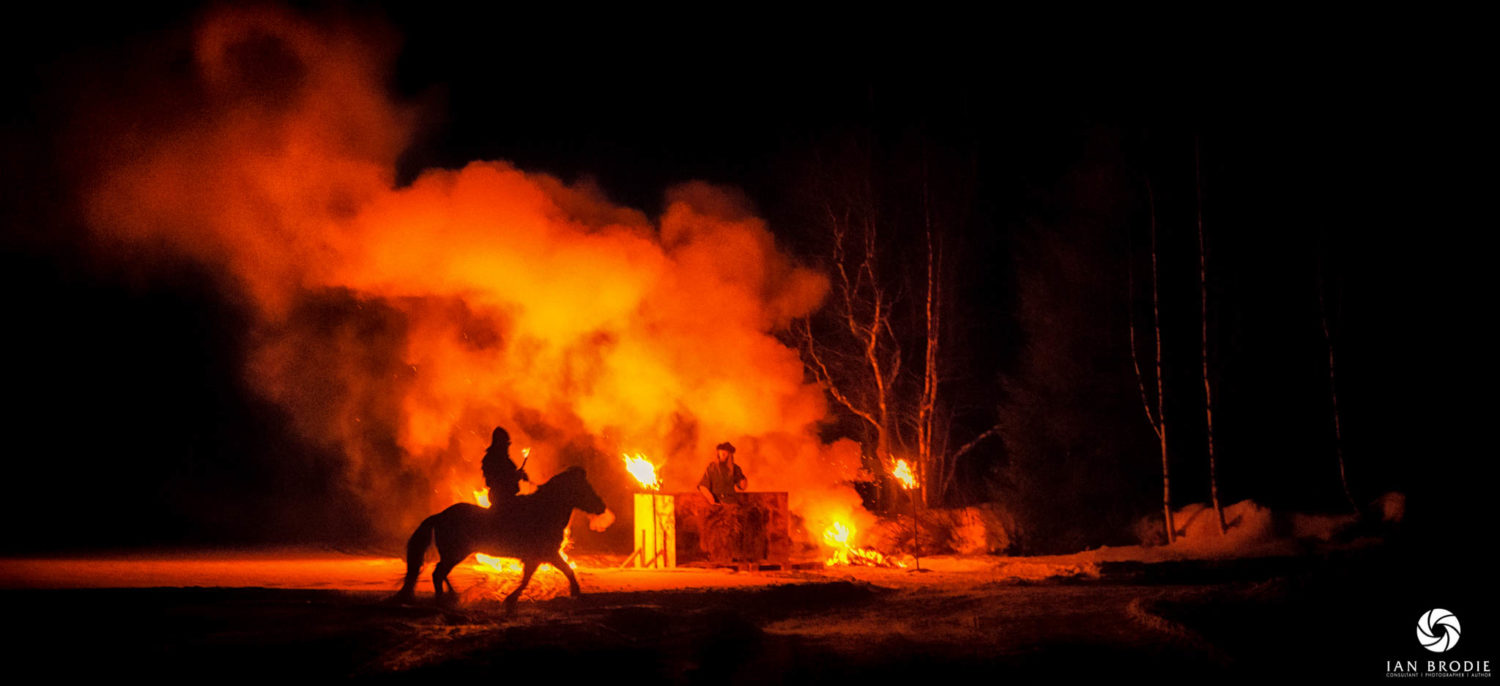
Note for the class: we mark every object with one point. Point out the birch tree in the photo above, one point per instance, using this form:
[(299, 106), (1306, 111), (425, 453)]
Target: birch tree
[(1208, 397), (879, 351), (1158, 420), (1333, 393)]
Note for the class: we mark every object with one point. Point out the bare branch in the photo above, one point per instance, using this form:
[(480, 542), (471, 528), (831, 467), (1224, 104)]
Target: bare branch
[(1140, 380), (826, 378)]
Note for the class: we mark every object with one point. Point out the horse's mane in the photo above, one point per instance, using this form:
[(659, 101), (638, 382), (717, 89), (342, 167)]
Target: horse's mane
[(566, 479)]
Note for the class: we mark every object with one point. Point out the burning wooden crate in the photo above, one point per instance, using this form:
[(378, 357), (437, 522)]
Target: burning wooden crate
[(655, 530), (683, 528)]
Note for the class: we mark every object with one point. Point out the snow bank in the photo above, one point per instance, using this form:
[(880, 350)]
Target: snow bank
[(978, 530), (1253, 530)]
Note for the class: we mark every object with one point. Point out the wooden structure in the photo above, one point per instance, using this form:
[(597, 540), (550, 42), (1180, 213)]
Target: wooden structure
[(655, 531), (685, 528)]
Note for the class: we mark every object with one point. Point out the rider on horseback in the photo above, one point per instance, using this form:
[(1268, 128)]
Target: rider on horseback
[(501, 475)]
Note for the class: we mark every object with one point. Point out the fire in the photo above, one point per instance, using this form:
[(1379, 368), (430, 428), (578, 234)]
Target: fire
[(562, 550), (508, 565), (507, 570), (643, 470), (504, 565), (482, 496), (401, 323), (838, 535), (902, 471)]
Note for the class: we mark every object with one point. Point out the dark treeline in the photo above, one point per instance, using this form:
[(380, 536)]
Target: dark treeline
[(1310, 202)]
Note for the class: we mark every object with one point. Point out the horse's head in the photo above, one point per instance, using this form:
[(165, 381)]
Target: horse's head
[(577, 491), (573, 487)]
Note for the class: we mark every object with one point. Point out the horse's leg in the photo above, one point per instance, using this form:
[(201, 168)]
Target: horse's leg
[(528, 568), (440, 575), (416, 549), (567, 571)]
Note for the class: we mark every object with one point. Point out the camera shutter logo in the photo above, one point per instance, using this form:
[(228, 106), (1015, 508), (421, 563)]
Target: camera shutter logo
[(1437, 630)]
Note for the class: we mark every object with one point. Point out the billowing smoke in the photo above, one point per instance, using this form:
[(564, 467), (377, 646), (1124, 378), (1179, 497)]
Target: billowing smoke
[(399, 325)]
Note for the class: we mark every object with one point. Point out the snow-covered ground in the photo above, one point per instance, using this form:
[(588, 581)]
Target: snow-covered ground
[(1033, 619), (1206, 606)]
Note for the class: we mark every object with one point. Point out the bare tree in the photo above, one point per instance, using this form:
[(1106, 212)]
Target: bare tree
[(932, 315), (880, 354), (1208, 398), (1158, 420), (934, 459), (1333, 392), (859, 370)]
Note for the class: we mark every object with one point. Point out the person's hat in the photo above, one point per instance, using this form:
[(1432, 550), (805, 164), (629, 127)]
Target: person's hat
[(500, 437), (726, 445)]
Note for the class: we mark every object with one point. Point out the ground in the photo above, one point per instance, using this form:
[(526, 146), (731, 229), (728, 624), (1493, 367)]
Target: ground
[(1032, 619)]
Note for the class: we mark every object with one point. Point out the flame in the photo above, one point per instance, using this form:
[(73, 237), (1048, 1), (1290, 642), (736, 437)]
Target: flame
[(482, 496), (837, 536), (401, 323), (901, 469), (643, 470), (501, 572), (562, 550), (510, 565)]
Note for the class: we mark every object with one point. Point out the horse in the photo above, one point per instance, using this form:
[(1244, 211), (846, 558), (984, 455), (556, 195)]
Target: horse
[(531, 530)]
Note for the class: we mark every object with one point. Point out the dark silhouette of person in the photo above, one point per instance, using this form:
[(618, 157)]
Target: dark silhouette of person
[(501, 475), (722, 477)]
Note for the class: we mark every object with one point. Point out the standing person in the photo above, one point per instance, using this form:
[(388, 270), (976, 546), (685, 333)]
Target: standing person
[(501, 475), (722, 477)]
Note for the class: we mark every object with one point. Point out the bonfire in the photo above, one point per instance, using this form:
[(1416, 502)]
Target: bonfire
[(838, 535)]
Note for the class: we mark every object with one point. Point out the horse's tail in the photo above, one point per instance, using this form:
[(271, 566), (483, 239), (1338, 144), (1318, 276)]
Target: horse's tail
[(416, 550)]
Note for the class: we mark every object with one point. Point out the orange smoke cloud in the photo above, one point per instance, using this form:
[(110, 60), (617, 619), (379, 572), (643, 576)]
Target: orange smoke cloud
[(399, 325)]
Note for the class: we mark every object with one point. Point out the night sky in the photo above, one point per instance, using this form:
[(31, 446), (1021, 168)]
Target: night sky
[(1327, 149)]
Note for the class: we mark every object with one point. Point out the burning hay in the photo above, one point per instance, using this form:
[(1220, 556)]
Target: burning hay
[(837, 537)]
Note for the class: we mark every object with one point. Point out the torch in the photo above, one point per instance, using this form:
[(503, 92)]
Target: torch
[(655, 518), (901, 469)]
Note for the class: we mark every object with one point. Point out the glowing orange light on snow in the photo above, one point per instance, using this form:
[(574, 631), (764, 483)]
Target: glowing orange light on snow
[(837, 536), (902, 471), (509, 566), (643, 471), (504, 565)]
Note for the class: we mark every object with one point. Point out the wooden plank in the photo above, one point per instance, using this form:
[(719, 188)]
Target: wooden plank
[(754, 528)]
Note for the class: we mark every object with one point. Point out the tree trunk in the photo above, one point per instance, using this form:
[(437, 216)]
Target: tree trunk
[(929, 463), (1158, 421), (1333, 391), (1208, 398), (880, 354)]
